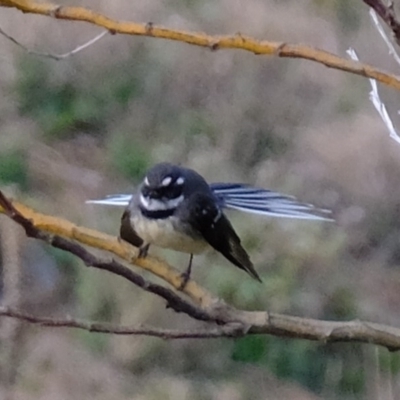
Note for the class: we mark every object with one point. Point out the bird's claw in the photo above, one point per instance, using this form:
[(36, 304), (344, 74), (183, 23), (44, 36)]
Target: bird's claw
[(185, 276), (143, 250)]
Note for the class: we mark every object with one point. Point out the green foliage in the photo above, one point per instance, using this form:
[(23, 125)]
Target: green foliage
[(341, 304), (98, 304), (249, 349), (389, 362), (64, 108), (259, 145), (96, 343), (128, 157), (352, 380), (194, 122), (394, 363), (297, 360), (64, 259), (14, 169), (61, 108), (303, 361), (257, 139)]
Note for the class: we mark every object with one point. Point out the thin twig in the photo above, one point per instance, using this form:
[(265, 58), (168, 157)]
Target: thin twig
[(50, 55), (229, 330), (212, 42)]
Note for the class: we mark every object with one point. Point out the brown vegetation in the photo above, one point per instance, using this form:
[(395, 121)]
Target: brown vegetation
[(90, 125)]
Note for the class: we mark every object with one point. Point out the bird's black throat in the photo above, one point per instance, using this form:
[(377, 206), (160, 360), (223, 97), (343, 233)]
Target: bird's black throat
[(157, 214)]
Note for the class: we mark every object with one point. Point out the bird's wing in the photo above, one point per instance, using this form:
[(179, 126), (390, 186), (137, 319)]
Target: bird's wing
[(203, 215), (127, 231), (265, 202)]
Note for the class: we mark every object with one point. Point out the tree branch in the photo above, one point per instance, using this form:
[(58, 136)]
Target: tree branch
[(228, 330), (65, 229), (238, 41), (56, 57), (388, 15), (234, 322), (174, 301)]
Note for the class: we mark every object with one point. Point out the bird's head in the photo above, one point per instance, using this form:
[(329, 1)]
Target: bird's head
[(162, 188)]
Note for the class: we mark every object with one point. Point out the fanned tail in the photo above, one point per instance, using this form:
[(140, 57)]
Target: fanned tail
[(121, 200), (266, 202)]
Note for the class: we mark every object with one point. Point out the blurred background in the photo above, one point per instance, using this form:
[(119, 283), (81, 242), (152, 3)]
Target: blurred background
[(90, 125)]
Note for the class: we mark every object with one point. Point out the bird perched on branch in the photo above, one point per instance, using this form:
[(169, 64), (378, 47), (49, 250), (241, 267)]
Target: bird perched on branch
[(175, 208)]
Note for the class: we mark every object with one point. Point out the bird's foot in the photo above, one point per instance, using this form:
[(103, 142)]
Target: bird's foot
[(186, 275), (143, 250)]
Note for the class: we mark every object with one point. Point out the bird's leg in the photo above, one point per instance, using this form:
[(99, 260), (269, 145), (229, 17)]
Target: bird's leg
[(186, 275), (143, 250)]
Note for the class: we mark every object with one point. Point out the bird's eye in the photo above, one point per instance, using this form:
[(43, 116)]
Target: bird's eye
[(175, 191), (168, 188)]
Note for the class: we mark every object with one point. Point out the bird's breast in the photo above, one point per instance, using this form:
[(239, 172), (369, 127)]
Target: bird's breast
[(164, 233)]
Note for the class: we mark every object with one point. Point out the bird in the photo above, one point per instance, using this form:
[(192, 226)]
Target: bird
[(174, 207)]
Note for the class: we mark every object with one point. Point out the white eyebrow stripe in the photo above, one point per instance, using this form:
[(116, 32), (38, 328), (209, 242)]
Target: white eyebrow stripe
[(180, 180), (146, 181), (166, 181)]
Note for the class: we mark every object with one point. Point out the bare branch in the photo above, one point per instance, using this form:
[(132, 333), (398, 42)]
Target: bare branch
[(378, 103), (232, 321), (174, 301), (65, 229), (237, 41), (54, 56), (228, 330), (388, 15), (385, 38)]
